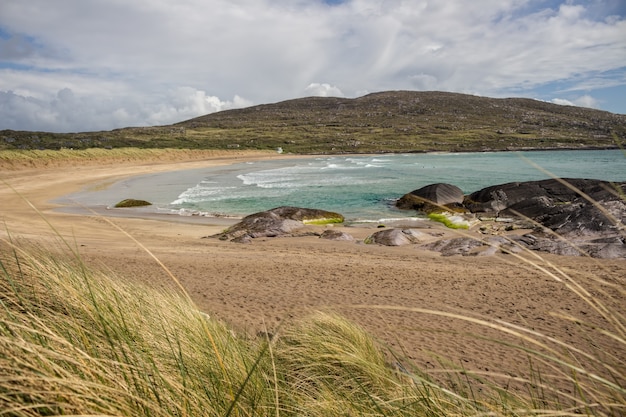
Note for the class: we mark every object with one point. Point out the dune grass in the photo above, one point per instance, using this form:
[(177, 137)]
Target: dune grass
[(75, 341), (36, 158)]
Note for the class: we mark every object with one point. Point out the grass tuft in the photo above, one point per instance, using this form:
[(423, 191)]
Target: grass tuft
[(78, 342)]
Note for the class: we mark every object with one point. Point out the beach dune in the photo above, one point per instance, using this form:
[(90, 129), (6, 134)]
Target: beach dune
[(406, 297)]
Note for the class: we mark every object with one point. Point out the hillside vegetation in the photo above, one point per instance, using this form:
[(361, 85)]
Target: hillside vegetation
[(399, 121)]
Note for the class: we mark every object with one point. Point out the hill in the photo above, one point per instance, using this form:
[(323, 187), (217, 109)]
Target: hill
[(394, 121)]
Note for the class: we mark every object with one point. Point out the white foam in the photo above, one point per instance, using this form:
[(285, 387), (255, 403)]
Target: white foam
[(199, 193)]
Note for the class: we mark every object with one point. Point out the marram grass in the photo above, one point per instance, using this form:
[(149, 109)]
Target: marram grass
[(74, 341), (36, 158)]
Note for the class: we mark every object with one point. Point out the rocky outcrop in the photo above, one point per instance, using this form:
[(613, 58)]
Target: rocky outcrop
[(568, 207), (280, 221), (468, 246), (432, 198), (568, 216), (607, 248)]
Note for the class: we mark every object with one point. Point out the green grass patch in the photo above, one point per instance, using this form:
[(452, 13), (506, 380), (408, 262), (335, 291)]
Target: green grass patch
[(38, 158)]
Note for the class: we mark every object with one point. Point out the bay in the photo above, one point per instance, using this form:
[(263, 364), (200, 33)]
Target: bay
[(361, 187)]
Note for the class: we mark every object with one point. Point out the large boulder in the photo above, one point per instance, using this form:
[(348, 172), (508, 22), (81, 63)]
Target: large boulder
[(280, 221), (396, 237), (336, 235), (576, 207), (571, 216), (431, 198)]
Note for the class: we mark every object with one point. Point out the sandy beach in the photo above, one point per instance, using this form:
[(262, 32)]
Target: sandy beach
[(266, 284)]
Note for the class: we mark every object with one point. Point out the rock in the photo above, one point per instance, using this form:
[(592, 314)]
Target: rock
[(336, 235), (468, 246), (455, 246), (280, 221), (306, 215), (532, 199), (129, 202), (432, 197), (395, 237), (604, 248), (579, 210)]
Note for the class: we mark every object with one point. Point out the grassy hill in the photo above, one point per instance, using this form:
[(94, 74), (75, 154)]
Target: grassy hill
[(396, 121)]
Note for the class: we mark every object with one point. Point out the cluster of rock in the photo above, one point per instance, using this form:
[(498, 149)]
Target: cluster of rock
[(567, 216), (280, 221), (561, 216)]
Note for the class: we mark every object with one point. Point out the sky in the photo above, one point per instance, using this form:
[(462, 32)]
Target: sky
[(87, 65)]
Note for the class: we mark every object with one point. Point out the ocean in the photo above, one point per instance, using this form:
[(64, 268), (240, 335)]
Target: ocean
[(362, 188)]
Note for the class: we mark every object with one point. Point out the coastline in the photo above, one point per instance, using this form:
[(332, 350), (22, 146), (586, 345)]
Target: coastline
[(382, 179), (260, 286)]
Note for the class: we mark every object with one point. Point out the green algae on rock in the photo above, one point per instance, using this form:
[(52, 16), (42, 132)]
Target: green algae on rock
[(130, 202)]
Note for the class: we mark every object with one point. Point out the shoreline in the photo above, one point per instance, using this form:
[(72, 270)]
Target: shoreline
[(100, 198), (260, 286)]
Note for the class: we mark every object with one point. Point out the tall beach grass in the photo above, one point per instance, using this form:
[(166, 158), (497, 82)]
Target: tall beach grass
[(74, 341), (35, 158)]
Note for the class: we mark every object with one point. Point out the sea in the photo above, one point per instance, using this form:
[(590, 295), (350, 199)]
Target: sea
[(361, 187)]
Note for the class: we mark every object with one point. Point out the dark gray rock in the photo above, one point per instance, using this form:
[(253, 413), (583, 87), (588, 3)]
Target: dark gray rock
[(455, 246), (431, 198), (605, 248), (544, 199), (280, 221), (395, 237), (570, 215), (468, 246), (336, 235), (304, 215)]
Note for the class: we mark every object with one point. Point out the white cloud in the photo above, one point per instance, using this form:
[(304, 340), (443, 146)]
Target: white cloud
[(582, 101), (562, 102), (323, 90), (66, 111), (186, 103), (156, 61), (587, 101)]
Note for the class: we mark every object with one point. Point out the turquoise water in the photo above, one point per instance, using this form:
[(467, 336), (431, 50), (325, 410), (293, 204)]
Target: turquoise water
[(362, 188)]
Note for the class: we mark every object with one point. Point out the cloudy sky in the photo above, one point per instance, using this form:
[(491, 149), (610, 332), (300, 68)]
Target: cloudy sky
[(79, 65)]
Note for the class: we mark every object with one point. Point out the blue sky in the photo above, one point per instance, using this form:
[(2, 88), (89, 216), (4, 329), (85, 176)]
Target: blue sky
[(79, 65)]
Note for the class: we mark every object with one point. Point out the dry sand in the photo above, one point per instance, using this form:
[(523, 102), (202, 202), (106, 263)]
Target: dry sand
[(270, 282)]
